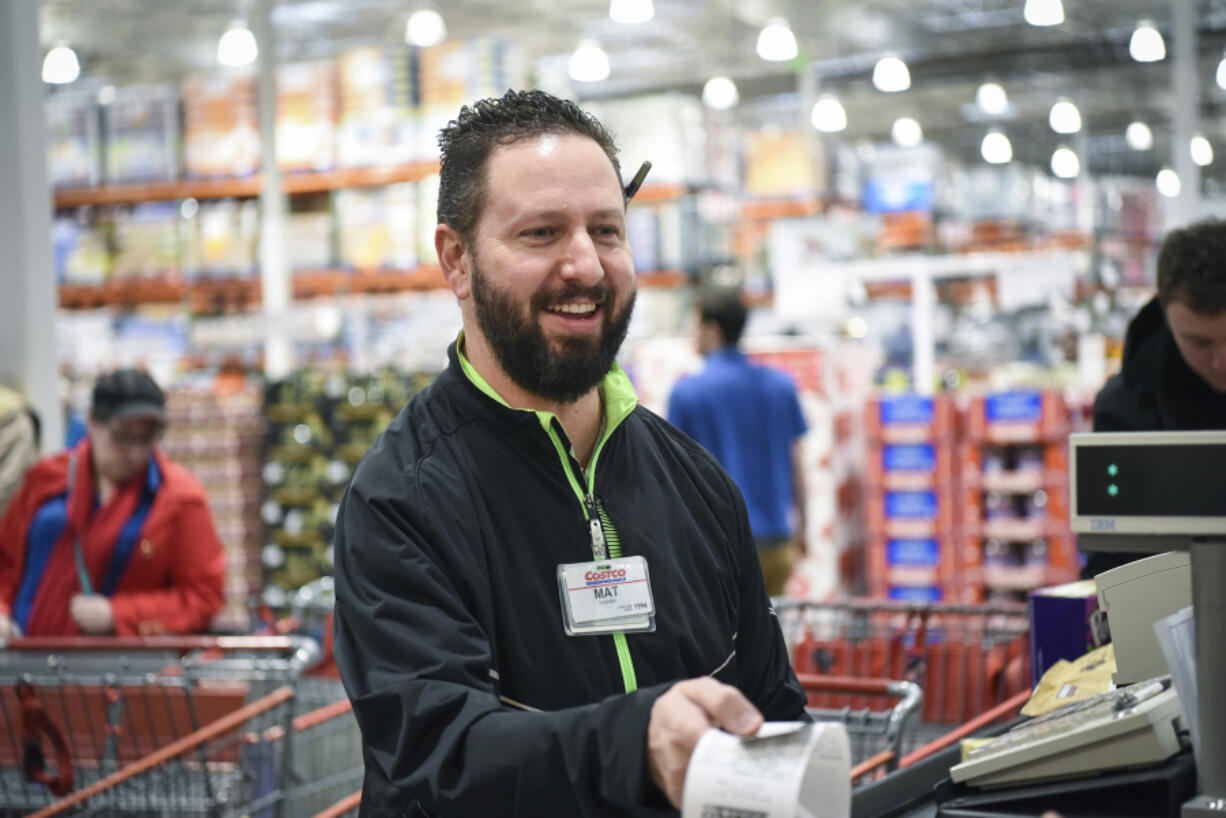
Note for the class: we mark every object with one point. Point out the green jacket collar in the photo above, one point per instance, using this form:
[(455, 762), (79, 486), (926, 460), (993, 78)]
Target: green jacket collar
[(619, 395)]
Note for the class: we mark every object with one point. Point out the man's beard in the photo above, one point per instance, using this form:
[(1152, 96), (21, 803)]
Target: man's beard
[(529, 358)]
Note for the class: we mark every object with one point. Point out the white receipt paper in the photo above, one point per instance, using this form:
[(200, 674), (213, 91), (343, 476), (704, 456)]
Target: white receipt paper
[(788, 770)]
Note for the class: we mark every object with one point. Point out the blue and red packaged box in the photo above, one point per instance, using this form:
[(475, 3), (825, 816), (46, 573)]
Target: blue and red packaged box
[(910, 466), (918, 561), (1065, 623), (916, 593), (909, 418), (1020, 416), (928, 513)]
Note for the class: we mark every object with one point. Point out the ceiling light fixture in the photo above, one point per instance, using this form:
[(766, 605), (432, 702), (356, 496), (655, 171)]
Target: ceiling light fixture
[(890, 74), (1168, 183), (1146, 44), (237, 46), (1221, 73), (1202, 151), (60, 66), (1064, 117), (1138, 136), (589, 63), (906, 132), (1064, 163), (425, 28), (720, 93), (828, 115), (631, 11), (996, 148), (992, 99), (776, 42), (1043, 12)]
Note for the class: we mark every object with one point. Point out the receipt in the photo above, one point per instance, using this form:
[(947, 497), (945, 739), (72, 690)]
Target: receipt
[(787, 770)]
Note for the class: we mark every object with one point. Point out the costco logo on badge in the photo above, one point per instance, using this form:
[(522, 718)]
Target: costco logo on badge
[(603, 577)]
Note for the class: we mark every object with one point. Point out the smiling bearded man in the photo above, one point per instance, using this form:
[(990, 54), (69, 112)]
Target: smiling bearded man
[(525, 353)]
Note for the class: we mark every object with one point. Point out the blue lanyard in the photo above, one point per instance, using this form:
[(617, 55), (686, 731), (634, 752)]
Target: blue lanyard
[(127, 535)]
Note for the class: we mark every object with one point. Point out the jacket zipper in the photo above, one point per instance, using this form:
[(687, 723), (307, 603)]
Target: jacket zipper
[(600, 551)]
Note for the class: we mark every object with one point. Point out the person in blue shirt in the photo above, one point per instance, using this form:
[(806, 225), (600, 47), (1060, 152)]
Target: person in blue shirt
[(749, 417)]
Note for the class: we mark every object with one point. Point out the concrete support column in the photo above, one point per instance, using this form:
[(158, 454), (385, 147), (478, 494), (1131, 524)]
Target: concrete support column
[(28, 360)]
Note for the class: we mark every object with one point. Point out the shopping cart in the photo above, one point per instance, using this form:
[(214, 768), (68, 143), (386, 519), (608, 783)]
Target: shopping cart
[(966, 659), (328, 744), (170, 726), (875, 735)]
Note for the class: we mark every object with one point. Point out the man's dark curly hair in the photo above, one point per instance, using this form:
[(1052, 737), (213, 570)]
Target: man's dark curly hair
[(469, 139), (1192, 267), (725, 307)]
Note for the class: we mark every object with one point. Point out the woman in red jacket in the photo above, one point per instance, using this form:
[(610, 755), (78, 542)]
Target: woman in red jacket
[(111, 537)]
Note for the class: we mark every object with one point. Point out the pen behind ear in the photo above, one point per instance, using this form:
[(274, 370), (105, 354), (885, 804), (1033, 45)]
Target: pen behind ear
[(637, 181)]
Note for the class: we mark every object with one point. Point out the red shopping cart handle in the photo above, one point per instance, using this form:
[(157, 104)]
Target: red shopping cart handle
[(34, 725), (154, 643), (845, 684)]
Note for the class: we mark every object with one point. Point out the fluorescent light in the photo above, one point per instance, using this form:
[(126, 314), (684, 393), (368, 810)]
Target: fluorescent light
[(1043, 12), (1146, 44), (631, 11), (1138, 136), (1064, 163), (992, 99), (1221, 73), (828, 115), (589, 63), (890, 74), (996, 148), (776, 42), (1202, 151), (1168, 183), (720, 93), (60, 66), (425, 28), (1064, 117), (237, 46), (906, 132)]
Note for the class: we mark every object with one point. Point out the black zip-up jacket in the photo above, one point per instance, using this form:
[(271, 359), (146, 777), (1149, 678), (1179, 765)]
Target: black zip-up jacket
[(1154, 391), (472, 700)]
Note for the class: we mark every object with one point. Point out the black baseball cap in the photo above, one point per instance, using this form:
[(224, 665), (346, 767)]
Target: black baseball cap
[(127, 393)]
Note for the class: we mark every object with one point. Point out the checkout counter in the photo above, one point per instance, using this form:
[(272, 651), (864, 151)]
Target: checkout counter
[(1141, 492)]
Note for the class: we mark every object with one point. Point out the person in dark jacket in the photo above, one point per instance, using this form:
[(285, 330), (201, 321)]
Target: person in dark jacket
[(1174, 371), (545, 593)]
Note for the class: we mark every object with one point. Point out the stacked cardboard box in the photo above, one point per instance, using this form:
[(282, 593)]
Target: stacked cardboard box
[(216, 431), (74, 137), (306, 116), (911, 497), (221, 125), (376, 106), (1014, 469), (140, 130)]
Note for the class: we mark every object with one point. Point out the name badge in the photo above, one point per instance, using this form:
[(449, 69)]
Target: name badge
[(607, 596)]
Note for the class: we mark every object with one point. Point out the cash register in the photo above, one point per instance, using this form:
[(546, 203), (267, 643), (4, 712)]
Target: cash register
[(1142, 492)]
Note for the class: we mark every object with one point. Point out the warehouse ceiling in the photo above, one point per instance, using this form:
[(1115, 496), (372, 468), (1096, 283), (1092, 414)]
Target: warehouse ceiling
[(950, 47)]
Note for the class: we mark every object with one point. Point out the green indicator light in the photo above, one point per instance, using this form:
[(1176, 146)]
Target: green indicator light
[(1113, 489), (1113, 470)]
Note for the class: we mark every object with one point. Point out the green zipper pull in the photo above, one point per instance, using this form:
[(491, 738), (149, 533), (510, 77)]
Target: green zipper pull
[(597, 531)]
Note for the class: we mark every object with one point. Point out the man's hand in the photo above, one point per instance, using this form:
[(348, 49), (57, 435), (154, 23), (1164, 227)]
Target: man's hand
[(9, 629), (680, 717), (92, 614)]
